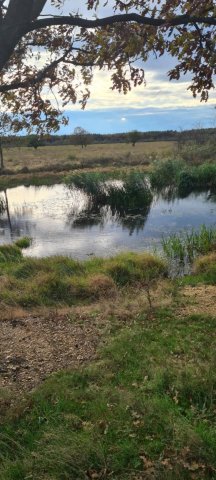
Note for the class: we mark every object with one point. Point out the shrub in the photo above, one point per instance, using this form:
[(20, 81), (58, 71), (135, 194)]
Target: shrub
[(186, 182)]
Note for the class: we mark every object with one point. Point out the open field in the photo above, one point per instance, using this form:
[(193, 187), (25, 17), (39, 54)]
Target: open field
[(68, 157)]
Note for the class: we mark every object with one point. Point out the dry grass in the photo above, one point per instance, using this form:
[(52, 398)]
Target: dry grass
[(64, 156)]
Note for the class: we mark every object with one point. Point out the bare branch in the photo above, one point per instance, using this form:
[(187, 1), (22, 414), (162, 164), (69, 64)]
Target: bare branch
[(121, 18)]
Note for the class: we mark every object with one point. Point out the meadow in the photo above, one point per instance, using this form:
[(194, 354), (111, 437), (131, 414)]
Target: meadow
[(66, 157), (108, 365)]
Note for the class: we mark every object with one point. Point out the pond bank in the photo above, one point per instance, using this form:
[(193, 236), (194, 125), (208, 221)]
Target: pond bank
[(118, 412)]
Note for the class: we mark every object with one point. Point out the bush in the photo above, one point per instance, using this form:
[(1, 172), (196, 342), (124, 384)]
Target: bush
[(205, 264), (186, 182)]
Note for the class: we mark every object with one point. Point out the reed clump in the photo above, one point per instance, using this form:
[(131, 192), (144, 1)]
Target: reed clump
[(24, 242), (184, 248), (122, 192), (184, 177)]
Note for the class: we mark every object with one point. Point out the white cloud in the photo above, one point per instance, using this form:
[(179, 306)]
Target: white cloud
[(158, 93)]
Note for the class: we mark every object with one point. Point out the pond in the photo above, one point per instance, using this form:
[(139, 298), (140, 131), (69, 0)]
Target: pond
[(60, 221)]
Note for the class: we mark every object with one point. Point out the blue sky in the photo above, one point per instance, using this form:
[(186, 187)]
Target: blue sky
[(113, 120), (160, 105)]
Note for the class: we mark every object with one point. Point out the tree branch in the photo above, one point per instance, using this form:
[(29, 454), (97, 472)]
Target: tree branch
[(41, 75), (121, 18)]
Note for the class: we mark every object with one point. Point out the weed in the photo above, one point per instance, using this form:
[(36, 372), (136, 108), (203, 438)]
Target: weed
[(122, 192), (165, 173)]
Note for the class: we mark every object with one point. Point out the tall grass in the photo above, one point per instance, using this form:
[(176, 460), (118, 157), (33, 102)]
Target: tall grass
[(165, 173), (185, 178), (122, 192), (184, 248), (63, 281)]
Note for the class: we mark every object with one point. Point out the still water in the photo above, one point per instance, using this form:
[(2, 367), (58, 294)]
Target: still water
[(60, 222)]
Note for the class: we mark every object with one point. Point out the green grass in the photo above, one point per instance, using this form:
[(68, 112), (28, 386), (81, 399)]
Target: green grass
[(23, 242), (184, 177), (147, 407), (63, 281), (184, 248), (144, 409), (133, 194)]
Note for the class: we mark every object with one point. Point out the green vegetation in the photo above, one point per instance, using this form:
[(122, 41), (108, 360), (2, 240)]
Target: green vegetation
[(34, 142), (147, 407), (185, 247), (202, 149), (182, 176), (130, 193), (64, 281), (133, 137), (204, 271), (23, 242)]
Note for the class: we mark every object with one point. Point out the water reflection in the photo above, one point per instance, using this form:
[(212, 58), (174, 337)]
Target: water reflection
[(64, 221), (100, 216)]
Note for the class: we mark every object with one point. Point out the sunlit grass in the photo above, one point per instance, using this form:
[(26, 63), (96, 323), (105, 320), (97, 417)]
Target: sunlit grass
[(64, 281), (66, 157)]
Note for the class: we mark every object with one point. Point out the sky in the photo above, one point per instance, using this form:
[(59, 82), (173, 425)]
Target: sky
[(160, 105)]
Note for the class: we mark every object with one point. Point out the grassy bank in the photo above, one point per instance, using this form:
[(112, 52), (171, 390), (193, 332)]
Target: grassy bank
[(146, 408), (30, 282), (53, 281)]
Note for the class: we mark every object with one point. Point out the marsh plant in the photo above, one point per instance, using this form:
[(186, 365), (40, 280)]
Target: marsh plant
[(181, 178), (56, 280), (123, 193), (182, 249)]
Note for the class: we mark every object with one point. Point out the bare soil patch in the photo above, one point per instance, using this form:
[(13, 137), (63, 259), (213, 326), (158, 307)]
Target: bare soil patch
[(34, 346)]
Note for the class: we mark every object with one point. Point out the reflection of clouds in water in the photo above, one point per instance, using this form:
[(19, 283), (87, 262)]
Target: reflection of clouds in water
[(62, 221)]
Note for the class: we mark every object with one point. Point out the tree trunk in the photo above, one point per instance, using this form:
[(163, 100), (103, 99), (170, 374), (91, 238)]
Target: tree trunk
[(1, 157), (8, 211)]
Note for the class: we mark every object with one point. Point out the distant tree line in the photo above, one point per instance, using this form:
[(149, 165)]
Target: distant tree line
[(83, 138)]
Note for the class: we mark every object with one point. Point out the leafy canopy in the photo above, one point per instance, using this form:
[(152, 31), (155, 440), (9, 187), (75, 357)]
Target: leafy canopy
[(47, 58)]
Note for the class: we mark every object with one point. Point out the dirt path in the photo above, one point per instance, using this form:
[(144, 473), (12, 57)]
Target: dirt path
[(32, 347)]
